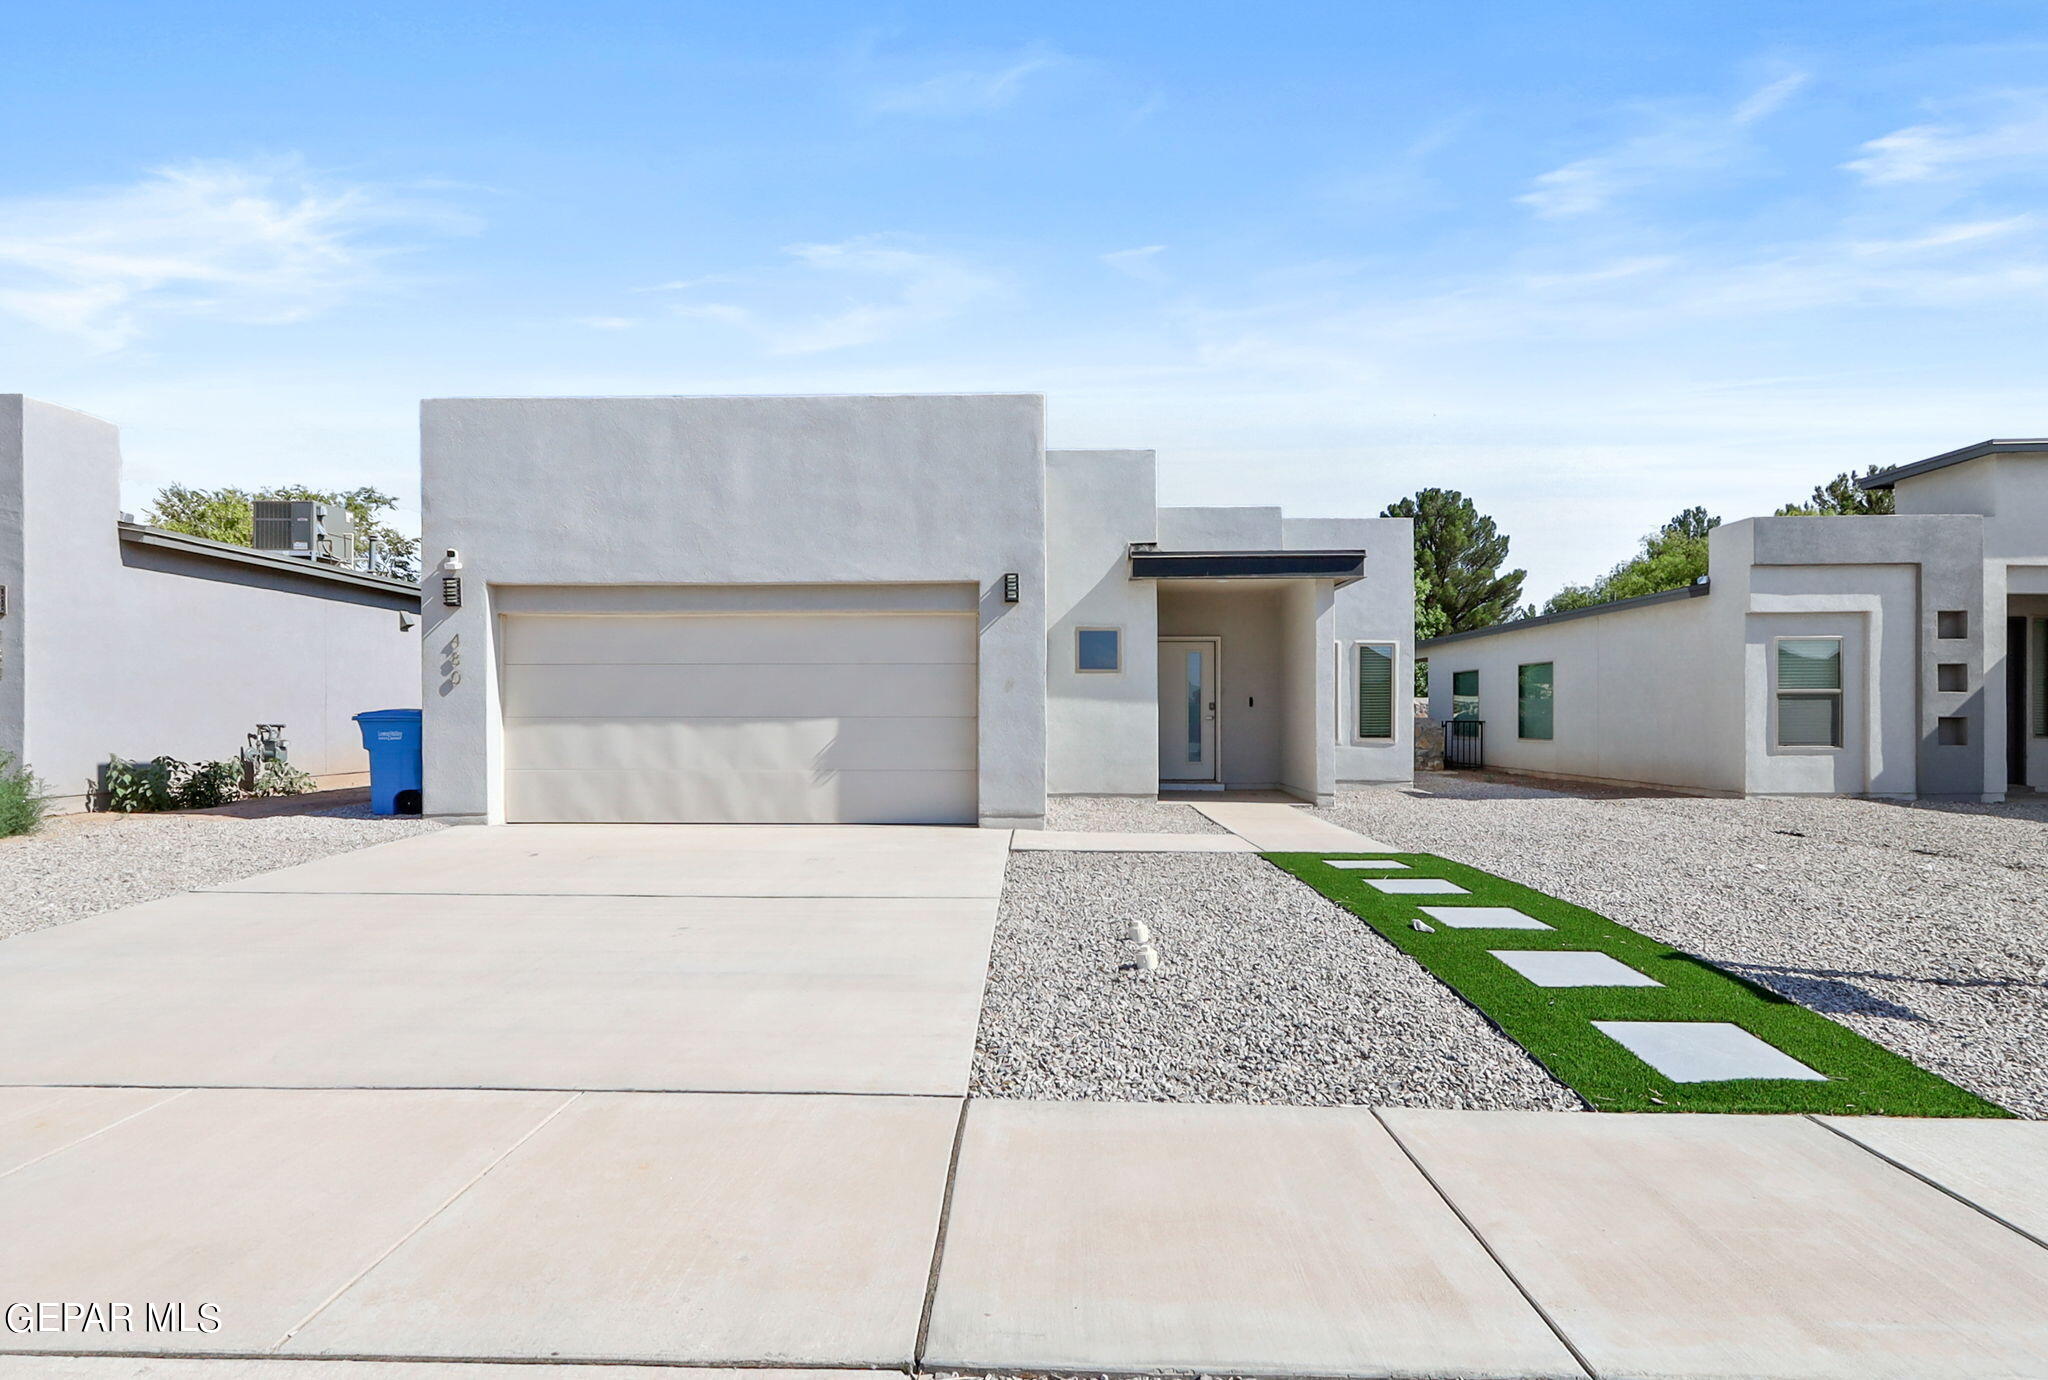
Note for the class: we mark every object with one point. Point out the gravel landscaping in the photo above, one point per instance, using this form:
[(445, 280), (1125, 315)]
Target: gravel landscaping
[(1114, 814), (1266, 993), (79, 865), (1925, 928)]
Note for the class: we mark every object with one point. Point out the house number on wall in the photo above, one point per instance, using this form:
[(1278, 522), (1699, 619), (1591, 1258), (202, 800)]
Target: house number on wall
[(451, 664)]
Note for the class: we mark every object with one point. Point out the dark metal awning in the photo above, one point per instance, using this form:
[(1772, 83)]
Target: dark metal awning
[(1342, 566)]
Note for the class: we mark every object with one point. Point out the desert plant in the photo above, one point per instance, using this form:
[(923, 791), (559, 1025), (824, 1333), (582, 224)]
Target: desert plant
[(280, 778), (203, 785), (22, 802), (131, 787)]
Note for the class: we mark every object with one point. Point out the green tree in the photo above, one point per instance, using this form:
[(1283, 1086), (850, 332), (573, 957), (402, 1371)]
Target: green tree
[(1458, 555), (216, 514), (1673, 556), (1840, 497), (227, 515)]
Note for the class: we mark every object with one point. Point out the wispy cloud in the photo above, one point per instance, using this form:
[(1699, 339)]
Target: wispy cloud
[(2010, 136), (260, 242), (971, 88), (1140, 263), (887, 288), (1681, 145)]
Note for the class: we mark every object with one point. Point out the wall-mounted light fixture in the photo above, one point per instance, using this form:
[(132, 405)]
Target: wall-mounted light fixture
[(3, 601), (1010, 588), (451, 591)]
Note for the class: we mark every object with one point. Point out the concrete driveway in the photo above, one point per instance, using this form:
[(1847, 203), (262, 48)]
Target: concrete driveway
[(725, 959)]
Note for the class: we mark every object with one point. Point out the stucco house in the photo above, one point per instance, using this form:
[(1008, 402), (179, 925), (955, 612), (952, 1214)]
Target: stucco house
[(116, 638), (1902, 655), (876, 609)]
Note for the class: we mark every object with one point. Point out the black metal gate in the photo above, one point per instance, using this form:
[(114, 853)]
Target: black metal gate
[(1464, 743)]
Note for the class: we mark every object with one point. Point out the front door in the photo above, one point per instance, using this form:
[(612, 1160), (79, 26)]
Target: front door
[(1188, 675)]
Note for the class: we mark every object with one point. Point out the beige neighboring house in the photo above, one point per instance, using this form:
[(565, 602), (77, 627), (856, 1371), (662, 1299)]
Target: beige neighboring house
[(1901, 656)]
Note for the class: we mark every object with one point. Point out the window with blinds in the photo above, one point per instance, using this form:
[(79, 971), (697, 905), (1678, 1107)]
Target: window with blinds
[(1809, 691), (1464, 694), (2040, 677), (1375, 689), (1535, 696)]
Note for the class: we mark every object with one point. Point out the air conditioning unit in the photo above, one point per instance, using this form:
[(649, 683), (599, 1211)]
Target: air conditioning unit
[(309, 530)]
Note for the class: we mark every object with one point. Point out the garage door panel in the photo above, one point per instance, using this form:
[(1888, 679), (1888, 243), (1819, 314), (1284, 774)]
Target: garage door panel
[(758, 797), (685, 639), (804, 717), (739, 692), (826, 745)]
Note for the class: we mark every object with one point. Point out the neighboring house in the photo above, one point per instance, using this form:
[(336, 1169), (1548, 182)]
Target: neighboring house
[(1903, 656), (876, 609), (118, 638)]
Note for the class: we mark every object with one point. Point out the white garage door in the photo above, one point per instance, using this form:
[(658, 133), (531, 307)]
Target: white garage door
[(799, 718)]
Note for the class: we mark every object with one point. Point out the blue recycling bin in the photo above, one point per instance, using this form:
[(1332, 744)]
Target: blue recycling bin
[(392, 738)]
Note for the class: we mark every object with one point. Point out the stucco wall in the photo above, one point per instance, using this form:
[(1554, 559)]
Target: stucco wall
[(1651, 694), (1101, 727), (117, 649), (1947, 554), (1379, 608), (14, 626), (563, 491), (1219, 529)]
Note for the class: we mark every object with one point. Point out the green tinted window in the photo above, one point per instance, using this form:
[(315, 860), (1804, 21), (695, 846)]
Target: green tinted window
[(1376, 690), (1535, 697), (1464, 694)]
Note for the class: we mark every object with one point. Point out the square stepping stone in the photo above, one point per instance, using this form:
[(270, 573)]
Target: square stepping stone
[(1416, 886), (1572, 968), (1704, 1051), (1483, 918), (1363, 864)]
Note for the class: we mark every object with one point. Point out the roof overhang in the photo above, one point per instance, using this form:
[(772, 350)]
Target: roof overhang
[(1343, 567), (1884, 479), (137, 534)]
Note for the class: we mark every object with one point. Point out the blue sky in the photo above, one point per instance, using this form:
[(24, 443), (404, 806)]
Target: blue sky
[(1590, 263)]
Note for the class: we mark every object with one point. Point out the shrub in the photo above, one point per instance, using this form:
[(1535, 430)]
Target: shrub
[(280, 778), (203, 785), (130, 787), (22, 802)]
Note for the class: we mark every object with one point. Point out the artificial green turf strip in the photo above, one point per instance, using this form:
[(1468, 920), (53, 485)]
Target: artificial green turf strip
[(1551, 1022)]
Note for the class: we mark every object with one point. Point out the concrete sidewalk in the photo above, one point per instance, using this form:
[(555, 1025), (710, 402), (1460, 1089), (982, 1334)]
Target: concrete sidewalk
[(805, 1230)]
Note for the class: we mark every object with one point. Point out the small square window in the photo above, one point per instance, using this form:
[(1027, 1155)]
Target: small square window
[(1951, 676), (1952, 732), (1098, 649), (1952, 624)]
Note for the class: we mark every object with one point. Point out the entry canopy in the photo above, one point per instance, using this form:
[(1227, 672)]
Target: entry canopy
[(1344, 567)]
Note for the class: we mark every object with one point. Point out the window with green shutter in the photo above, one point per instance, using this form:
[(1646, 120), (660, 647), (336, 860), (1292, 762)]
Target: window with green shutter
[(1809, 691), (1375, 689), (1535, 696), (1464, 694)]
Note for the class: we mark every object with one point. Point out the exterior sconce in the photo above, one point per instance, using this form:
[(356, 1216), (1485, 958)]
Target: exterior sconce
[(451, 591), (1010, 588)]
